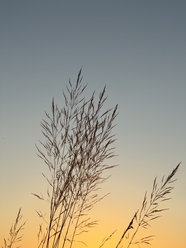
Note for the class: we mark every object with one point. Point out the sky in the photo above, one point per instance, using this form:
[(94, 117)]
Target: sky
[(137, 49)]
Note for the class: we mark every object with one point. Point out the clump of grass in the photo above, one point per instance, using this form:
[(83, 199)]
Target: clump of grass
[(78, 140), (150, 210), (14, 234)]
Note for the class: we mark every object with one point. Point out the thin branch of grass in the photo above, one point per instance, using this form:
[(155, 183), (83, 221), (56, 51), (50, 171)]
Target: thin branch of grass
[(107, 239), (14, 234), (150, 209), (130, 226)]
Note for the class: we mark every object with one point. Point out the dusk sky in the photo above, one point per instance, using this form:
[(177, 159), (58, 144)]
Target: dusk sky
[(138, 50)]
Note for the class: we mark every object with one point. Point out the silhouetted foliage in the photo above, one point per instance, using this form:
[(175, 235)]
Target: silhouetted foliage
[(78, 141)]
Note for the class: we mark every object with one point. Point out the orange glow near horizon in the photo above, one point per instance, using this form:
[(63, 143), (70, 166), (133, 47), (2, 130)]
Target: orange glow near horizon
[(110, 220)]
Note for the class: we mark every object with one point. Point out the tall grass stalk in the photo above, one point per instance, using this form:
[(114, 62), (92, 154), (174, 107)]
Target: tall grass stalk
[(14, 233), (78, 140), (150, 210)]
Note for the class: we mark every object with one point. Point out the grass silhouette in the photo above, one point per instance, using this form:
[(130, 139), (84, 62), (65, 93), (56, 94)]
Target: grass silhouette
[(14, 233), (78, 140)]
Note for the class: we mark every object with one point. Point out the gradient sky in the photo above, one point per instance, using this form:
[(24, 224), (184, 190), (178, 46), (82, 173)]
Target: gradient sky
[(138, 50)]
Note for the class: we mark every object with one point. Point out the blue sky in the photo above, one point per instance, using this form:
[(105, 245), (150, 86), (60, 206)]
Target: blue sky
[(136, 48)]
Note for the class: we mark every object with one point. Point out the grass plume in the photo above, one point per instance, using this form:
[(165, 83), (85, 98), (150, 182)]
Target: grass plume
[(14, 233), (150, 209), (78, 140)]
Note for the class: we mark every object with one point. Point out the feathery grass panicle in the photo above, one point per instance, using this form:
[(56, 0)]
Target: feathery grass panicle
[(150, 209), (14, 234), (78, 140)]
